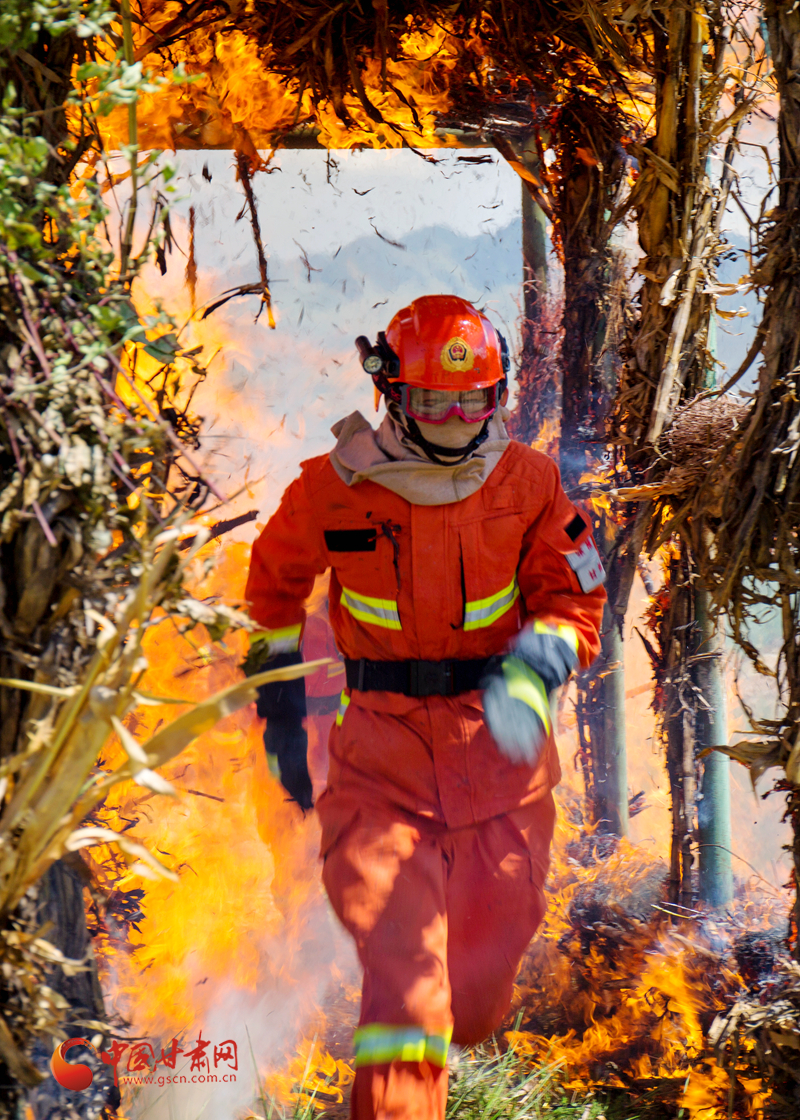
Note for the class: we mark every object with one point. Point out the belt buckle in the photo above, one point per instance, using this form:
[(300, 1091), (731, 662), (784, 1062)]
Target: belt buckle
[(430, 678)]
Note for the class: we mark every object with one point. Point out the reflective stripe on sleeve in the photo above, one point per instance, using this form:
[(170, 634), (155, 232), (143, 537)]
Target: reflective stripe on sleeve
[(377, 612), (567, 633), (344, 704), (285, 640), (522, 683), (378, 1043), (483, 612)]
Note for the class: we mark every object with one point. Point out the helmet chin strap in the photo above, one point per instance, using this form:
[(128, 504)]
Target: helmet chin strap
[(452, 455)]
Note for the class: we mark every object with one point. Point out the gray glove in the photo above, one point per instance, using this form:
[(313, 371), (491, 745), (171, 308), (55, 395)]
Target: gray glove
[(517, 687)]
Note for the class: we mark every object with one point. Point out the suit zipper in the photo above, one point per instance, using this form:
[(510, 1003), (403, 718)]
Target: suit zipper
[(460, 625), (389, 530)]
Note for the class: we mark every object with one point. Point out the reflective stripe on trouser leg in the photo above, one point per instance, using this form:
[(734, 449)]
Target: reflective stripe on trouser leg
[(378, 1043)]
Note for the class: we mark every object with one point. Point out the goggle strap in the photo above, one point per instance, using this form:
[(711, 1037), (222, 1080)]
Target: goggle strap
[(435, 450)]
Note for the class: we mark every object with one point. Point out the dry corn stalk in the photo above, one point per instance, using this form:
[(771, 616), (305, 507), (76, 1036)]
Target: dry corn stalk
[(679, 211), (52, 780), (679, 208), (53, 784)]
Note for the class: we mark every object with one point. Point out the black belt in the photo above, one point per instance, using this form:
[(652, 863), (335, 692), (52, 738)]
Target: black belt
[(416, 678)]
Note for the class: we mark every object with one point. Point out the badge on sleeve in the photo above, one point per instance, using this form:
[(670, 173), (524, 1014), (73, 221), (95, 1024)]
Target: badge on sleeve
[(587, 566)]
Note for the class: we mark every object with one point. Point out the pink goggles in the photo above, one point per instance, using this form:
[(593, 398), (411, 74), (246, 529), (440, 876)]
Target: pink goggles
[(434, 406)]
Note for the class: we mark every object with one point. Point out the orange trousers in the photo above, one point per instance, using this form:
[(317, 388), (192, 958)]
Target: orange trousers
[(441, 918)]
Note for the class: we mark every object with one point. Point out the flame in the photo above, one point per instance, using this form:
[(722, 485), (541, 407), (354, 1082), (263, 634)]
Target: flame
[(548, 437), (234, 100), (616, 991), (209, 952), (312, 1076)]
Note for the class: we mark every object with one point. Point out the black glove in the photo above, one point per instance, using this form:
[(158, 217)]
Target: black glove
[(283, 705), (517, 687), (287, 741)]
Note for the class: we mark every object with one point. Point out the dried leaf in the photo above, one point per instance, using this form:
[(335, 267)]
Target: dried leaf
[(130, 745), (92, 836), (148, 700), (35, 686), (151, 780)]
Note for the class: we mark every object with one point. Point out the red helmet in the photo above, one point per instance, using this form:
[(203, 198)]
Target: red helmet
[(442, 342), (439, 355)]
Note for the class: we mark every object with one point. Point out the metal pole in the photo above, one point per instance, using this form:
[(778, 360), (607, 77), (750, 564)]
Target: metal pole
[(534, 254), (536, 387), (613, 786), (714, 800)]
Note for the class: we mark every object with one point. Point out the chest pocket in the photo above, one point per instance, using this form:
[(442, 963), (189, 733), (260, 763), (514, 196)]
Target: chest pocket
[(490, 551), (355, 554), (366, 560), (351, 540)]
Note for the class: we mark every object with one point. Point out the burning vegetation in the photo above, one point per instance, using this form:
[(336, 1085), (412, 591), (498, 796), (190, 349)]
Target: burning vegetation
[(656, 984)]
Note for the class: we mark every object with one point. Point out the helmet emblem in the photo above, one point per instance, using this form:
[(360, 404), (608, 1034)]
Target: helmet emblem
[(457, 355)]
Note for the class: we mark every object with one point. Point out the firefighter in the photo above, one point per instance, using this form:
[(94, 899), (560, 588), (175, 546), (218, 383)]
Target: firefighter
[(464, 590)]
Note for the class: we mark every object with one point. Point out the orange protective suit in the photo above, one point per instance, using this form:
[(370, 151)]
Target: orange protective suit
[(435, 846)]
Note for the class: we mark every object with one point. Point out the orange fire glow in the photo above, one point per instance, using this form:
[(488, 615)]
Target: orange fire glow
[(625, 991), (234, 100), (223, 949)]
